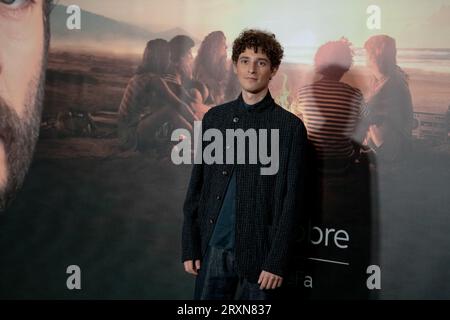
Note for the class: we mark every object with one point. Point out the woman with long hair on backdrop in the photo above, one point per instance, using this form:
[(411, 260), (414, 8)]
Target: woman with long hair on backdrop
[(389, 103)]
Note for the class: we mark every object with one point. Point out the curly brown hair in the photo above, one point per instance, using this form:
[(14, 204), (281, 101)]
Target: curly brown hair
[(254, 39)]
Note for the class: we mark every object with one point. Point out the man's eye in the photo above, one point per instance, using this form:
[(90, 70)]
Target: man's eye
[(14, 4), (262, 64)]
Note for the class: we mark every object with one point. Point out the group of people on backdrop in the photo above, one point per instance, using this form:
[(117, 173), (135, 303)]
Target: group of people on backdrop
[(171, 89)]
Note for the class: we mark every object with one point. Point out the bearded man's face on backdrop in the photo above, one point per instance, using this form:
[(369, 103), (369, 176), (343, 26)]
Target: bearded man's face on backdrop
[(23, 49)]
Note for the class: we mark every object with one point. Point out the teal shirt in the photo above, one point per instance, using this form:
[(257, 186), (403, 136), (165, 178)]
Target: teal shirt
[(223, 235), (224, 231)]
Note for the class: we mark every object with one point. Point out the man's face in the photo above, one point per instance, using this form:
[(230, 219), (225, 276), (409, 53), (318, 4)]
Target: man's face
[(21, 88), (254, 70)]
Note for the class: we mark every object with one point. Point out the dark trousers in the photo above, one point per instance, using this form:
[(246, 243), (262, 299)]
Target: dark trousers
[(218, 280)]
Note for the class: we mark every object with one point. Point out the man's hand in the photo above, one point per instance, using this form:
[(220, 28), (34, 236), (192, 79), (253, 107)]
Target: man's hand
[(269, 280), (191, 267)]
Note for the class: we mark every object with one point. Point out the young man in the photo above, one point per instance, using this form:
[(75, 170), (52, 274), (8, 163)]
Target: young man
[(24, 38), (239, 224)]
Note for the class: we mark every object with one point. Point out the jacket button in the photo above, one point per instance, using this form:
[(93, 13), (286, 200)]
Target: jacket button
[(224, 172), (235, 119), (218, 197), (211, 221)]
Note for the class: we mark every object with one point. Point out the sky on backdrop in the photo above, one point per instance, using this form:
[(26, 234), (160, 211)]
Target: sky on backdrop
[(414, 23)]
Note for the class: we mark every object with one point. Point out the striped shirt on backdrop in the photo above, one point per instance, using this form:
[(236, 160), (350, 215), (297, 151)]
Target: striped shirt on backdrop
[(330, 111)]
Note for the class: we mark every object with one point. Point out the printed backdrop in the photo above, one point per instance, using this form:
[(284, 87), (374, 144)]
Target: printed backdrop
[(117, 213)]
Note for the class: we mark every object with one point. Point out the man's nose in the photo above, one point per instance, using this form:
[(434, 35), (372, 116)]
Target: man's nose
[(252, 68)]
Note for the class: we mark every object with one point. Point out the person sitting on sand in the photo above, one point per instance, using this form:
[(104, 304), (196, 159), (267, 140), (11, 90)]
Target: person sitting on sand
[(179, 76), (330, 108), (390, 111), (144, 104), (156, 129)]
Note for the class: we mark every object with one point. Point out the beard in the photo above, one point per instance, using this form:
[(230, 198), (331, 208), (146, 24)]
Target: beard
[(19, 137)]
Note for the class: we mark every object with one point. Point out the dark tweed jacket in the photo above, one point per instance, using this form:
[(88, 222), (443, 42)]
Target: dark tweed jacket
[(267, 206)]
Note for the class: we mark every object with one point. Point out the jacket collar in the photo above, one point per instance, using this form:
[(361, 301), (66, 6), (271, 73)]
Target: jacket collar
[(265, 104)]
